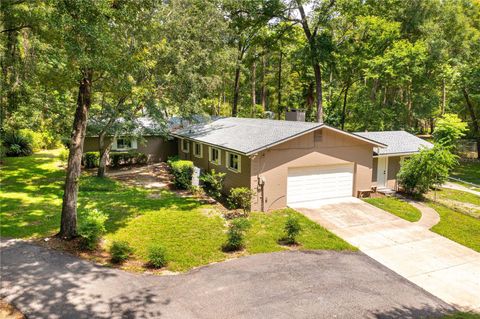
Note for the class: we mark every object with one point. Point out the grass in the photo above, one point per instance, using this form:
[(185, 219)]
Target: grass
[(31, 197), (460, 201), (468, 171), (458, 227), (462, 315), (396, 207)]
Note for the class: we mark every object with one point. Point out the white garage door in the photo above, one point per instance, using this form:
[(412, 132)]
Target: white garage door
[(309, 184)]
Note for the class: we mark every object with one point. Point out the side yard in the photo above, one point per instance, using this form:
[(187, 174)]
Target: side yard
[(469, 172), (459, 214), (191, 232)]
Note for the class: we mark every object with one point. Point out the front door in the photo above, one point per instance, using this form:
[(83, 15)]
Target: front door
[(382, 169)]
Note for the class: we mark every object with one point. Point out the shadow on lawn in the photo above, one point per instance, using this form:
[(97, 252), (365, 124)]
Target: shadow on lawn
[(45, 284)]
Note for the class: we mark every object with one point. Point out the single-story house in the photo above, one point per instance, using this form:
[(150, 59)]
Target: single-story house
[(387, 160), (147, 136), (286, 163)]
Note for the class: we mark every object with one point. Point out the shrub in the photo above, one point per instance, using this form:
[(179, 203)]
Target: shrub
[(448, 130), (64, 155), (157, 256), (292, 229), (241, 198), (127, 158), (92, 227), (425, 169), (120, 251), (213, 183), (172, 159), (236, 234), (182, 174), (16, 145), (91, 159)]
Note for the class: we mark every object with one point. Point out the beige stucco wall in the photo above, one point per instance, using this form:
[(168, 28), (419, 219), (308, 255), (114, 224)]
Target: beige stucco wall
[(157, 148), (332, 148), (232, 179)]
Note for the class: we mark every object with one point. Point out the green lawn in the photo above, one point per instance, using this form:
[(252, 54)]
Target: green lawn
[(397, 207), (458, 227), (468, 171), (31, 196), (457, 200)]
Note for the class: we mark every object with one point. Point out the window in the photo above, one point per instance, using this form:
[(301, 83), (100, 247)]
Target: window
[(123, 144), (197, 150), (233, 162), (215, 156), (185, 146)]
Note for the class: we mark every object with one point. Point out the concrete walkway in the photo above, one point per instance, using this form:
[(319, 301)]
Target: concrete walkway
[(429, 217), (442, 267), (292, 284), (460, 187)]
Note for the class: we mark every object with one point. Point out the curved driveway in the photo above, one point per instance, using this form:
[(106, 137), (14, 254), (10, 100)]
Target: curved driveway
[(321, 284)]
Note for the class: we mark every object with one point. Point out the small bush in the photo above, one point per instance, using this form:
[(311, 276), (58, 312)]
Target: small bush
[(17, 145), (91, 159), (236, 234), (157, 256), (92, 227), (172, 159), (241, 198), (120, 251), (182, 174), (40, 140), (292, 229), (64, 155), (118, 159), (213, 183)]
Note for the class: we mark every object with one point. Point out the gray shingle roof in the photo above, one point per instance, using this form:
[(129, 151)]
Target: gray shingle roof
[(243, 134), (398, 142)]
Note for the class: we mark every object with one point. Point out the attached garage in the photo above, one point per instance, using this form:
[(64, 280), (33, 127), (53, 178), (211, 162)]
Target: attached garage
[(316, 183)]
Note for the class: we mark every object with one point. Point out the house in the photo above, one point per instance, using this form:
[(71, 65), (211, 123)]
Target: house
[(387, 161), (147, 136), (286, 163)]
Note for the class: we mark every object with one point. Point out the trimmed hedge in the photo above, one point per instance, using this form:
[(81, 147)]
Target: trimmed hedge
[(91, 159), (182, 173), (241, 197), (127, 158)]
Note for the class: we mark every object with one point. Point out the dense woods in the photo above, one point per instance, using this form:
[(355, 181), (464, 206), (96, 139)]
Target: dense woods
[(354, 64)]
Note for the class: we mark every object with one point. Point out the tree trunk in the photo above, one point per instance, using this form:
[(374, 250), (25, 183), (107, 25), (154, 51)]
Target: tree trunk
[(104, 151), (68, 223), (444, 97), (254, 88), (344, 110), (279, 86), (318, 91), (310, 99), (473, 116), (264, 91), (236, 88)]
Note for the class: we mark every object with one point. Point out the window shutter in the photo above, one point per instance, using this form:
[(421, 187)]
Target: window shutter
[(114, 144), (134, 143)]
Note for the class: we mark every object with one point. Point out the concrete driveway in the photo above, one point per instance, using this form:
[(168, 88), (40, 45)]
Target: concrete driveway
[(442, 267), (321, 284)]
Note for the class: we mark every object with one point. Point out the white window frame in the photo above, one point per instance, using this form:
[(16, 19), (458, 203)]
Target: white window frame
[(239, 158), (219, 159), (187, 149), (195, 149), (133, 144)]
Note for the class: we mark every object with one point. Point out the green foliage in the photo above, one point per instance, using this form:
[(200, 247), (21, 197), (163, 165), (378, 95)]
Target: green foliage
[(92, 227), (40, 140), (292, 229), (91, 159), (157, 256), (241, 197), (213, 183), (16, 145), (120, 251), (64, 153), (118, 159), (428, 168), (236, 234), (182, 172), (448, 131)]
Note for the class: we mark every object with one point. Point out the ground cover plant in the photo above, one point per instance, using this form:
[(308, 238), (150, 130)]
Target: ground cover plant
[(31, 193)]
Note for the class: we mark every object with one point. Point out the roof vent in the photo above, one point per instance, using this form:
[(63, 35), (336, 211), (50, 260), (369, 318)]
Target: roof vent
[(295, 115)]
